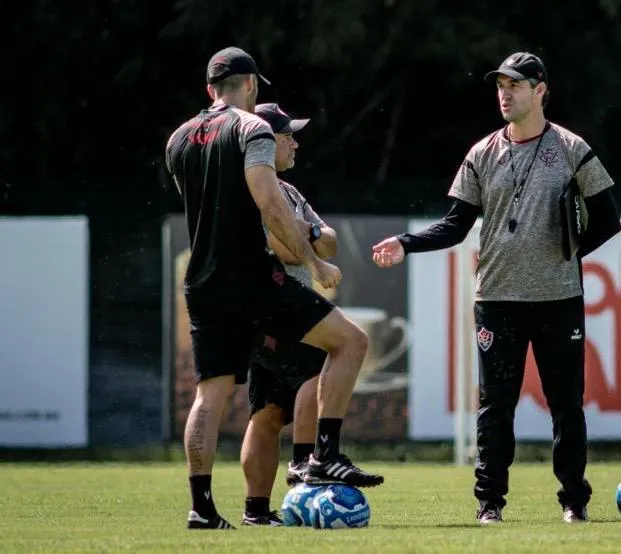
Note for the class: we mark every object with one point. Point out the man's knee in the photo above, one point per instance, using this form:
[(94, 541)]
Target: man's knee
[(357, 338), (211, 400), (338, 333)]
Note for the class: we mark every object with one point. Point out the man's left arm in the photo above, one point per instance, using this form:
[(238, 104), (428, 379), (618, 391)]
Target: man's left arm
[(603, 221), (596, 185)]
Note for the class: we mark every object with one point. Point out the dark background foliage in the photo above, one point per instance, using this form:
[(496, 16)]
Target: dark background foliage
[(394, 88)]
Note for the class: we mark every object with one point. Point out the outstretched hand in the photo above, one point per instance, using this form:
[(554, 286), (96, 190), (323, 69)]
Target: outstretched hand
[(389, 252)]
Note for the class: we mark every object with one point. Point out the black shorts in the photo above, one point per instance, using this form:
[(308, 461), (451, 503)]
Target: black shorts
[(226, 320), (277, 372)]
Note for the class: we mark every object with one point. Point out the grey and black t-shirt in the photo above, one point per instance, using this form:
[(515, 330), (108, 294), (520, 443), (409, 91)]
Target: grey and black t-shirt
[(527, 264), (208, 156)]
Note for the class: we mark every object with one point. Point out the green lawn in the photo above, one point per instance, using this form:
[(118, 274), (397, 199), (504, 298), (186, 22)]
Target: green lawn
[(136, 507)]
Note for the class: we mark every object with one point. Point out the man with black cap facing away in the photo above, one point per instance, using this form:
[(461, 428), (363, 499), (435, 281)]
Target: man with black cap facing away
[(527, 290), (283, 376), (222, 162)]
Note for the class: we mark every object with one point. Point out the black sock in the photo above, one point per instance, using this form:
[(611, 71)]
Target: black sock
[(257, 506), (202, 499), (328, 438), (301, 451)]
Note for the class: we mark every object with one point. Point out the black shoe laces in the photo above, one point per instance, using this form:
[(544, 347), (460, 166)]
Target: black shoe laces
[(274, 516)]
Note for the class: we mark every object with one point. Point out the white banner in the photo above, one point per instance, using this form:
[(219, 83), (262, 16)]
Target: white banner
[(433, 359), (44, 331)]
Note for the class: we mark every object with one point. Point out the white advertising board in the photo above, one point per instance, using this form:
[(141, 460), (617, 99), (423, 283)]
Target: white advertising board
[(44, 331), (433, 356)]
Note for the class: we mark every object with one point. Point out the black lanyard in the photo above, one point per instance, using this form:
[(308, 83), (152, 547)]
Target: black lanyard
[(519, 188)]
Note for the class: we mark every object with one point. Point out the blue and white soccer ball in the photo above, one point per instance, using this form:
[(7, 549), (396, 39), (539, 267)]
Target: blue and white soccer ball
[(297, 505), (340, 507), (618, 496)]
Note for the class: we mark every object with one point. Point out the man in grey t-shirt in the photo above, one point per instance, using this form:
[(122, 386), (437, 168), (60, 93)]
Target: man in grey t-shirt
[(526, 291), (283, 375)]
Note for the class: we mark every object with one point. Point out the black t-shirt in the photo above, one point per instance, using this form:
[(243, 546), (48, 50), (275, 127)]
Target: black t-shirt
[(207, 157)]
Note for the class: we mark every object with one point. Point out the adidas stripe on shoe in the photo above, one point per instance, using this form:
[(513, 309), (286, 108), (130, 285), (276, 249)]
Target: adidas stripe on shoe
[(195, 521), (339, 470)]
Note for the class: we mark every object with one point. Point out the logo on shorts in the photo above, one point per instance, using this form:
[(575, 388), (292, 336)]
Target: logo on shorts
[(485, 339), (576, 335), (278, 277), (269, 342)]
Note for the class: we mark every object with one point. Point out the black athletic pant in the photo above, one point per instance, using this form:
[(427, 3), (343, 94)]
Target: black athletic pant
[(556, 331)]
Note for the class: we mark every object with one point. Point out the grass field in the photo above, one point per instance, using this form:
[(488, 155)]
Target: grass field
[(100, 508)]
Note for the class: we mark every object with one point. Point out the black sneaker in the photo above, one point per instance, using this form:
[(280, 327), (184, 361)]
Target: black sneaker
[(489, 515), (272, 519), (572, 514), (197, 522), (339, 470), (295, 472)]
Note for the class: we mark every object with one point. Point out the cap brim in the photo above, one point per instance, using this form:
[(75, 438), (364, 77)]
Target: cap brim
[(491, 76), (264, 79), (298, 124)]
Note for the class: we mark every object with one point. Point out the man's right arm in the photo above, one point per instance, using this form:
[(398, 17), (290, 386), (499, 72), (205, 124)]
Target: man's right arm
[(281, 251), (454, 226), (259, 147), (276, 213), (451, 230), (603, 222)]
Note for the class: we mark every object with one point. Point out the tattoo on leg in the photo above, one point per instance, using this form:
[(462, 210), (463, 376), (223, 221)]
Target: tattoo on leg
[(197, 442)]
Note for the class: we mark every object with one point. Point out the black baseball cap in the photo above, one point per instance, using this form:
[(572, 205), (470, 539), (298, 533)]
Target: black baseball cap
[(279, 121), (520, 66), (231, 61)]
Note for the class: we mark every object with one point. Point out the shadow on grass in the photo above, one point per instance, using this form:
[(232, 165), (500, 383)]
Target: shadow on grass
[(426, 525)]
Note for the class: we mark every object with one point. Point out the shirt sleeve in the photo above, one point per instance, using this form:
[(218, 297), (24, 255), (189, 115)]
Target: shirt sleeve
[(449, 231), (311, 216), (257, 142), (172, 145), (466, 185), (603, 222), (591, 175), (302, 206)]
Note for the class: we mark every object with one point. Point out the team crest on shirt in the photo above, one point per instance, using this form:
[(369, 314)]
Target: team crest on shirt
[(485, 339), (549, 157)]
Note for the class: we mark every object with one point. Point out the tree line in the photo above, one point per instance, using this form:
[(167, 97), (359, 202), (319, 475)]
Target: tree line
[(394, 88)]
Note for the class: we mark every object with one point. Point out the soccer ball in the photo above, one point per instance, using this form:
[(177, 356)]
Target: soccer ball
[(618, 496), (340, 507), (297, 505)]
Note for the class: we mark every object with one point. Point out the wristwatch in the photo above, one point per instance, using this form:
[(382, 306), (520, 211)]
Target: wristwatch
[(315, 232)]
